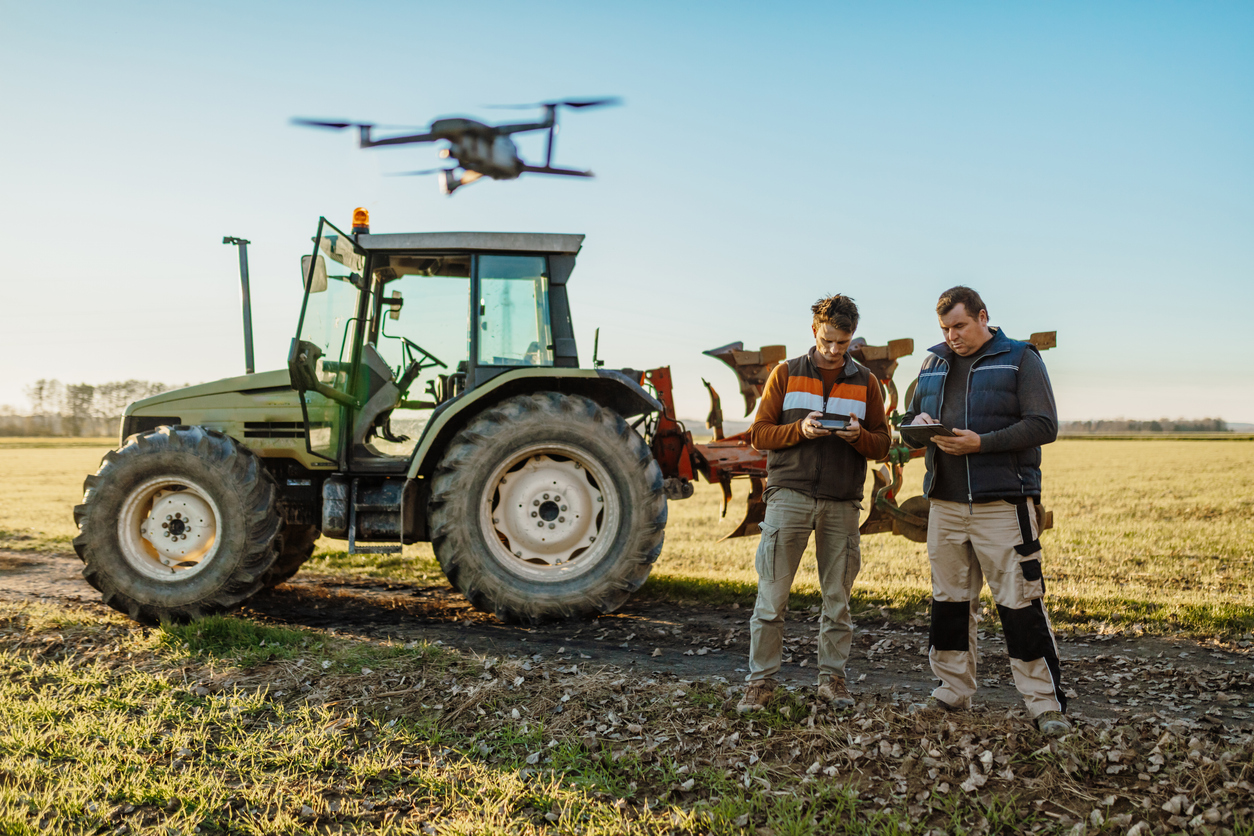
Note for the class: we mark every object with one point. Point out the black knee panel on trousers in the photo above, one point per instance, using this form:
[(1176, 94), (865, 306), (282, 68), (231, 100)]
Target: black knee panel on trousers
[(1028, 638), (1027, 632), (951, 626)]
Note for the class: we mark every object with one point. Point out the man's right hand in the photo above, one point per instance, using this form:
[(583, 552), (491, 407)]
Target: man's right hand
[(923, 418), (810, 426)]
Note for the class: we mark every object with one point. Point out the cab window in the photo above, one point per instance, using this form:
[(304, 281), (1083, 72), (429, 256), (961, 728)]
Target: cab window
[(513, 311)]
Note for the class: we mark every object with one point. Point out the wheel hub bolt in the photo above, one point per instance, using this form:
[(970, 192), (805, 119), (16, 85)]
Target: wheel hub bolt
[(561, 519), (540, 523), (563, 507), (550, 525), (546, 496), (533, 513), (535, 502)]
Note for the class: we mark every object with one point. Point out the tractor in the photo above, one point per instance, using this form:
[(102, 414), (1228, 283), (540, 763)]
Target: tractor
[(539, 498)]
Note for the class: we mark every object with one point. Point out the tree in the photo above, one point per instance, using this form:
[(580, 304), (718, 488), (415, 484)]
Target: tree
[(78, 406)]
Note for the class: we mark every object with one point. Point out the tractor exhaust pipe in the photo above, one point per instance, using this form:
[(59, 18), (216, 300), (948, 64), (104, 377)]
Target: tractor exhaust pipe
[(249, 367)]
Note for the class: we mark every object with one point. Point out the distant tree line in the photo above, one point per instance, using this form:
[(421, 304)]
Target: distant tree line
[(1162, 425), (76, 409)]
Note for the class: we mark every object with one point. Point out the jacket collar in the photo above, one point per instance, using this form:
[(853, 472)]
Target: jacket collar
[(850, 369), (999, 343)]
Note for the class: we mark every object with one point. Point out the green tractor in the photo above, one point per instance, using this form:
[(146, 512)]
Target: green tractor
[(540, 499)]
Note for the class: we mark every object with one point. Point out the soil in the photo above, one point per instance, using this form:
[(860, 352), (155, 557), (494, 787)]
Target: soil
[(1107, 676)]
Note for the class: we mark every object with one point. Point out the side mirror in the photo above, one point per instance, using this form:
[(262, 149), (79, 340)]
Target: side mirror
[(317, 280), (395, 301)]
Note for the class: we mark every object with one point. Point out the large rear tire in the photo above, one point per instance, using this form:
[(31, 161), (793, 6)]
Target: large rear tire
[(177, 524), (296, 545), (547, 506)]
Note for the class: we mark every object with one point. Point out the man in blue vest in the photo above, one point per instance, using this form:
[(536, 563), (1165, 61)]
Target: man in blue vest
[(984, 483)]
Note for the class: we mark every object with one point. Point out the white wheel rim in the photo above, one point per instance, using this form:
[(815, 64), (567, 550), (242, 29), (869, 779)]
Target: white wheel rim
[(549, 512), (169, 529)]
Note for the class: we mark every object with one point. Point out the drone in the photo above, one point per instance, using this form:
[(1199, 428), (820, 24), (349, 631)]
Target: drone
[(476, 149)]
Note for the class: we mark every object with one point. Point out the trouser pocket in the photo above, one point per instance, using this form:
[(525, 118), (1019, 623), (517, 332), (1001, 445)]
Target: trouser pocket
[(1032, 583), (853, 560), (768, 546)]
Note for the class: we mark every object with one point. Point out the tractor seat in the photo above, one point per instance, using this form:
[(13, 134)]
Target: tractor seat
[(380, 397)]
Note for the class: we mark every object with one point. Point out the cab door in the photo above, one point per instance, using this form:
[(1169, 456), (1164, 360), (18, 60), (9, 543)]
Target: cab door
[(327, 347)]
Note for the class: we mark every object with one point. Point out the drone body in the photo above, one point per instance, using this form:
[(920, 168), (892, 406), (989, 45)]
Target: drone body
[(477, 149)]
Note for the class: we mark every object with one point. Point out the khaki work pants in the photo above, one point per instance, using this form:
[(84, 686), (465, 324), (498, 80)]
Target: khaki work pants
[(997, 541), (790, 518)]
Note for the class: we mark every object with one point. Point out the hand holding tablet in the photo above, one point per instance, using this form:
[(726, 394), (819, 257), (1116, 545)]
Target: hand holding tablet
[(920, 434)]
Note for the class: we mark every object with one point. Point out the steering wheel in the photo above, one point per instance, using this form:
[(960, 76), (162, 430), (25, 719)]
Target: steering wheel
[(416, 365), (420, 350)]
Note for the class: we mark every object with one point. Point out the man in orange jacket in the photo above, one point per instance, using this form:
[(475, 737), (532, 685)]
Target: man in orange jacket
[(815, 479)]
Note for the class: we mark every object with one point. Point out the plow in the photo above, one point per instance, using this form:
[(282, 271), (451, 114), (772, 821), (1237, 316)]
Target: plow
[(724, 459)]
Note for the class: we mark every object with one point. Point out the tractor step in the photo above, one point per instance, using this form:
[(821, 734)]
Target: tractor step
[(374, 548)]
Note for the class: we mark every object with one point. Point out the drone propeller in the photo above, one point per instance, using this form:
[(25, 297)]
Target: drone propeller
[(612, 100), (314, 123), (335, 126), (415, 173)]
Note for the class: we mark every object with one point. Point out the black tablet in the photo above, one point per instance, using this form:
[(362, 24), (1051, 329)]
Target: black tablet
[(834, 422), (920, 434)]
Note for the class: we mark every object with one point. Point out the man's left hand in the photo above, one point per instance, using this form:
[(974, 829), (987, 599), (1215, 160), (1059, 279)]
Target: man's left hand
[(852, 432), (962, 443)]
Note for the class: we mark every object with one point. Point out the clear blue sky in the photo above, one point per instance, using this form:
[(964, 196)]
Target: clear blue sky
[(1088, 167)]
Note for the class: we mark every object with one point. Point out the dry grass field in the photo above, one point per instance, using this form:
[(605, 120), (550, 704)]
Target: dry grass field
[(1149, 535)]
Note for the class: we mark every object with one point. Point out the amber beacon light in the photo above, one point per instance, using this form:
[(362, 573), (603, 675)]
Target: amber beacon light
[(361, 221)]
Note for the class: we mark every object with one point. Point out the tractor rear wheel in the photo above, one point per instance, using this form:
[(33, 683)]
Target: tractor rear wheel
[(177, 524), (296, 545), (547, 506)]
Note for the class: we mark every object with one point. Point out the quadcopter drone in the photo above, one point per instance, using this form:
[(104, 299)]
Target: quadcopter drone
[(477, 150)]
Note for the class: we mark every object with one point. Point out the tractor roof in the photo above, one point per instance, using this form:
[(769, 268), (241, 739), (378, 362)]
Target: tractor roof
[(530, 242)]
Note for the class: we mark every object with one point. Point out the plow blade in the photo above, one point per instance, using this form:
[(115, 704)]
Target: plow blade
[(755, 510)]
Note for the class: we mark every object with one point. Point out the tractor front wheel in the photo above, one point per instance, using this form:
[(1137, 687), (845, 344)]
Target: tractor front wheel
[(177, 524), (547, 506)]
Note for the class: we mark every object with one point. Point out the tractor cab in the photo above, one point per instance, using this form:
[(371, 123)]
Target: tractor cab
[(394, 328)]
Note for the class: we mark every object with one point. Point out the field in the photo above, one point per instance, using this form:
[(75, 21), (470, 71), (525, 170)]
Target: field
[(236, 725), (1153, 536)]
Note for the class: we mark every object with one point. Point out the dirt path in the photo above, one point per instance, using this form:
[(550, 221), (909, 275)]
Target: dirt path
[(1108, 676)]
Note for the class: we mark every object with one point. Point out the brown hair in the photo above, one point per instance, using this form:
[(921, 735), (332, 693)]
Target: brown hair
[(961, 295), (838, 311)]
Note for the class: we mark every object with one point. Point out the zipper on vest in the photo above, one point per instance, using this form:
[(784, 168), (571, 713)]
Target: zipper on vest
[(818, 470), (967, 420)]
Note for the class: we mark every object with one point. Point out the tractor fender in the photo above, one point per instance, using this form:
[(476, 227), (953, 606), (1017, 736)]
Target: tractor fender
[(609, 388)]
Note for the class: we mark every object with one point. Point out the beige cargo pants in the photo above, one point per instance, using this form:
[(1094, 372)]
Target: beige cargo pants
[(790, 518), (997, 542)]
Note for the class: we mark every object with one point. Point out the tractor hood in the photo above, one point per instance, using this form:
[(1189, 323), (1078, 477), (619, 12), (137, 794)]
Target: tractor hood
[(260, 383)]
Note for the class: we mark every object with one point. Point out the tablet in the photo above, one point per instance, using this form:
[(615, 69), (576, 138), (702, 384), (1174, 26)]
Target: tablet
[(834, 422), (922, 433)]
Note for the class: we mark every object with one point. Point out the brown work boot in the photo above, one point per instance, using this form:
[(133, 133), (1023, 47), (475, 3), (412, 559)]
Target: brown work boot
[(1053, 724), (832, 691), (757, 695)]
